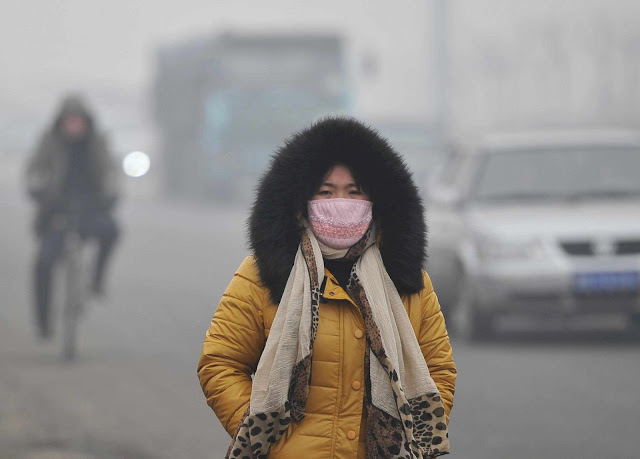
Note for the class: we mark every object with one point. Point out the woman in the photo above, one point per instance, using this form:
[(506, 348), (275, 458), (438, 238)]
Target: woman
[(333, 312)]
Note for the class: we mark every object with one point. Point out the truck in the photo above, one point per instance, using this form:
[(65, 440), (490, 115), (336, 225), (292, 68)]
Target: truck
[(224, 103)]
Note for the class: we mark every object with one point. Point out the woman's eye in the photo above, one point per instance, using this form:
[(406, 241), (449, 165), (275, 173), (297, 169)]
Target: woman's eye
[(324, 192), (357, 192)]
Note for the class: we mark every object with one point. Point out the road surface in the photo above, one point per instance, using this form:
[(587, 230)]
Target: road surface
[(133, 393)]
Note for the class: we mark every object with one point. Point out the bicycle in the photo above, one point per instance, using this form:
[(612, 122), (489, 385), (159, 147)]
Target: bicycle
[(76, 289)]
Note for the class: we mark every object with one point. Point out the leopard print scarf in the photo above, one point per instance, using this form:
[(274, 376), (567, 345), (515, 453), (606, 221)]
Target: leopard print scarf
[(405, 413)]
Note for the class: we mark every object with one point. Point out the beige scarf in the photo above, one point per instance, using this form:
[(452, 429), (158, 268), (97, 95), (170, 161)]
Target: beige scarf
[(403, 406)]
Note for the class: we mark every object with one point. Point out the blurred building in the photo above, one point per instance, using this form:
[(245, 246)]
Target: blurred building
[(224, 103), (424, 147), (523, 65)]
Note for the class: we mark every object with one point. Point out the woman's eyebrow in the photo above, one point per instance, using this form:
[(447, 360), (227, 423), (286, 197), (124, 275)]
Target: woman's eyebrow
[(349, 185)]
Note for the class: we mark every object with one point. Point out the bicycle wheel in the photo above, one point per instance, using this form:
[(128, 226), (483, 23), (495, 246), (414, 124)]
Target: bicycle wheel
[(74, 298)]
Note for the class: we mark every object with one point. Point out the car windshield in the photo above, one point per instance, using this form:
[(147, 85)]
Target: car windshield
[(558, 174)]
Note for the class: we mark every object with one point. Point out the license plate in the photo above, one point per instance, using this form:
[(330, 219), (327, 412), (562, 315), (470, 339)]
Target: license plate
[(607, 282)]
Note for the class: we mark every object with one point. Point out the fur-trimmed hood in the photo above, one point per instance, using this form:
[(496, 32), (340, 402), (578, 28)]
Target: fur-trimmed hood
[(296, 171)]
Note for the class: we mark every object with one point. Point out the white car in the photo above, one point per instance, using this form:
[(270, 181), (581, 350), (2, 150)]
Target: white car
[(538, 224)]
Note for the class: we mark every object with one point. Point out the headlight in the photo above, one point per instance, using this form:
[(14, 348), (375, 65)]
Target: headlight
[(491, 247), (136, 164)]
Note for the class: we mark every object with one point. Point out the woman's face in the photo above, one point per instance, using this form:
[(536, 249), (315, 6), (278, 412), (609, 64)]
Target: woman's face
[(339, 183)]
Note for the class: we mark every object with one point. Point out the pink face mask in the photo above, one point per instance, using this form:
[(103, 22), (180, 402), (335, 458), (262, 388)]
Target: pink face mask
[(339, 223)]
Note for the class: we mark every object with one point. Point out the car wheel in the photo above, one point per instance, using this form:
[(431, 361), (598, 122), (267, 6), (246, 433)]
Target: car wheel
[(470, 323), (634, 326), (481, 328)]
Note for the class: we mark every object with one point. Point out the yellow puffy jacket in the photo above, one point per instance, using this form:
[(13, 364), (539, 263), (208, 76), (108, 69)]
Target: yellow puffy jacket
[(333, 426)]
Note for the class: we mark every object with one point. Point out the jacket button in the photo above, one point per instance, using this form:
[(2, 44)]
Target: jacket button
[(351, 435), (358, 334), (356, 385), (331, 293)]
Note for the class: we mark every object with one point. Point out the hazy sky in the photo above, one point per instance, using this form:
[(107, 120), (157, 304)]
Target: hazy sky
[(511, 62), (48, 46)]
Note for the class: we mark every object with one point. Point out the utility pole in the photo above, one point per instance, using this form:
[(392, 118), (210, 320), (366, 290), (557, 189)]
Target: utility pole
[(440, 18)]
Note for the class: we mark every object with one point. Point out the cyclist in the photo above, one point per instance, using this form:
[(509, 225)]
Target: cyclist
[(71, 164)]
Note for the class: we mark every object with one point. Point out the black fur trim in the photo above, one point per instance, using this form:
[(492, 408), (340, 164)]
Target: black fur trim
[(295, 172)]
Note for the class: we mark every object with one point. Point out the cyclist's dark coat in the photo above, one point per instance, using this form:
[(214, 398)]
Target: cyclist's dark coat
[(49, 171)]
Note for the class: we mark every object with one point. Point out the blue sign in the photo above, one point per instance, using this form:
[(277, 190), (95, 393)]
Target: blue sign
[(607, 282)]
